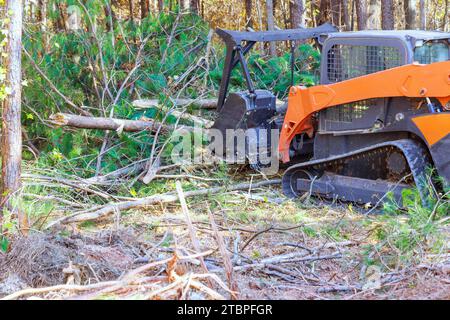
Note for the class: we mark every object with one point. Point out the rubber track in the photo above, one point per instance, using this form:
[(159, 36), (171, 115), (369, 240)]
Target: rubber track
[(415, 153)]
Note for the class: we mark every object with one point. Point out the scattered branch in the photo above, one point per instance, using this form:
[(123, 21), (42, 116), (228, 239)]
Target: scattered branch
[(170, 197)]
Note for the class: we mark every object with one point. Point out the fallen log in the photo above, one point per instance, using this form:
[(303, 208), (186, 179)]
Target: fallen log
[(209, 103), (201, 103), (108, 209), (119, 125)]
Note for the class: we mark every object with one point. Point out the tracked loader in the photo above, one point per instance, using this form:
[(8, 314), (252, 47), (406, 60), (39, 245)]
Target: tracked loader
[(377, 123)]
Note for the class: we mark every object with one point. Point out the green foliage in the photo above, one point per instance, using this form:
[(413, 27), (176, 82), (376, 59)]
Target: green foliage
[(4, 243), (402, 233), (91, 68)]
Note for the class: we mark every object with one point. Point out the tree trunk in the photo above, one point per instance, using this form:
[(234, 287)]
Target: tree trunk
[(423, 14), (182, 4), (248, 14), (42, 11), (131, 9), (410, 14), (324, 12), (270, 26), (387, 15), (145, 8), (361, 14), (444, 20), (297, 9), (194, 6), (335, 12), (373, 15), (345, 15), (61, 20), (160, 5), (11, 140)]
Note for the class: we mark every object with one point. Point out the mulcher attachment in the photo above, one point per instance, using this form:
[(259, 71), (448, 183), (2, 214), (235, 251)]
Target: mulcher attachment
[(250, 114)]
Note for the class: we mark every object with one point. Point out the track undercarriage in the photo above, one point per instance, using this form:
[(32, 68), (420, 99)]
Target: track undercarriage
[(363, 176)]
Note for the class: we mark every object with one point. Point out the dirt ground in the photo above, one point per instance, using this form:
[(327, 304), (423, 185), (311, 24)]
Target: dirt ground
[(264, 249)]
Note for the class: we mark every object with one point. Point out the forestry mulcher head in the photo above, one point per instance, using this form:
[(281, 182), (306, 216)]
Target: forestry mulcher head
[(378, 122)]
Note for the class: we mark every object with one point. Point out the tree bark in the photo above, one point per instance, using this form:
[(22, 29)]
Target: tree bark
[(270, 26), (61, 20), (345, 15), (410, 14), (373, 15), (324, 12), (387, 15), (201, 103), (423, 14), (361, 14), (297, 10), (160, 5), (131, 9), (11, 140), (248, 14), (145, 8), (445, 19), (82, 122), (194, 6), (335, 12)]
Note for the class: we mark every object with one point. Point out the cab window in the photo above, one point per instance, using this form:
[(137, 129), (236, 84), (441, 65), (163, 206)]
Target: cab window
[(431, 52)]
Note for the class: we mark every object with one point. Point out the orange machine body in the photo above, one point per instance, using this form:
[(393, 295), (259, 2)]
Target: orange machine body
[(413, 80)]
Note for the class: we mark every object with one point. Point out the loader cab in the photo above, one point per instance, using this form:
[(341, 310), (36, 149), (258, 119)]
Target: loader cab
[(348, 55)]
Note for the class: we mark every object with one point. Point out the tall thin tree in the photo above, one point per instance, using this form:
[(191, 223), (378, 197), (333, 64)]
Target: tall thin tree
[(361, 14), (445, 19), (248, 14), (345, 15), (194, 6), (131, 9), (270, 25), (297, 10), (335, 12), (324, 12), (387, 15), (410, 13), (423, 15), (145, 8), (373, 15), (160, 5), (11, 140)]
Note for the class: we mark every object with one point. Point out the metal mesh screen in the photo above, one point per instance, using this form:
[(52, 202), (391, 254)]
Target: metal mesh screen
[(349, 112), (348, 61)]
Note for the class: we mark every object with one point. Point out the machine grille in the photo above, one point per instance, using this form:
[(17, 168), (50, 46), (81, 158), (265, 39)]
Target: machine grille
[(349, 112), (348, 61)]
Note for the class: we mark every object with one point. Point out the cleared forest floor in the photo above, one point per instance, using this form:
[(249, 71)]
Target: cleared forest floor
[(255, 242)]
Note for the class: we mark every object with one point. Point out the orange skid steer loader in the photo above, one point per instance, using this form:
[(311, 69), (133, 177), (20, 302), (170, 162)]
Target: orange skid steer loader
[(378, 121)]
